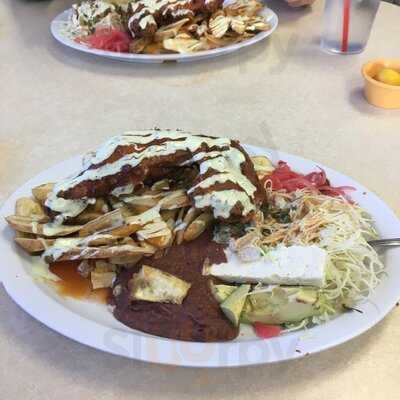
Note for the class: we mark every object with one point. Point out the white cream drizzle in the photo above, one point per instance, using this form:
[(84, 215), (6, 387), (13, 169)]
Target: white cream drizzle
[(223, 201), (188, 142), (145, 217), (149, 8), (153, 6), (180, 226), (57, 250), (150, 220), (183, 12), (228, 162), (67, 207), (147, 20)]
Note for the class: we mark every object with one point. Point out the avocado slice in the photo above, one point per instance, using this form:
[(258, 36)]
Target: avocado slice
[(281, 304), (274, 297), (290, 312), (232, 307), (222, 292), (247, 309)]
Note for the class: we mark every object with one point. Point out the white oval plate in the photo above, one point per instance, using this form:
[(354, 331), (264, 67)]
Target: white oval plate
[(58, 27), (93, 325)]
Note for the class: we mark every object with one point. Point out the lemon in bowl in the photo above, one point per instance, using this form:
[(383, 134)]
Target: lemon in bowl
[(382, 82), (389, 76)]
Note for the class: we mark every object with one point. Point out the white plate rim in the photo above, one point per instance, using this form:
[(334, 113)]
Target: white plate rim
[(189, 354), (61, 19)]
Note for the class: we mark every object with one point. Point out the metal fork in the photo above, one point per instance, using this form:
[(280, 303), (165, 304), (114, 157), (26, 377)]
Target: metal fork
[(385, 242)]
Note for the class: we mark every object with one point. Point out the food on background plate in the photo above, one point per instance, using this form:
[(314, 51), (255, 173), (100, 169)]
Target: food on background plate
[(164, 26), (190, 237)]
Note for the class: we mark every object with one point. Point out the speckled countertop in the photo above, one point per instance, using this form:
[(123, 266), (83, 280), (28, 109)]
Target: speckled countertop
[(284, 93)]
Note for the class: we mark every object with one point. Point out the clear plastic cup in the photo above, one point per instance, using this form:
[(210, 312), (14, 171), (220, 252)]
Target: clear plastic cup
[(347, 25)]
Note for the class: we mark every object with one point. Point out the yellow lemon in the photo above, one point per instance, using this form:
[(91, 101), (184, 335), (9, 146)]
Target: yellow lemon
[(389, 76)]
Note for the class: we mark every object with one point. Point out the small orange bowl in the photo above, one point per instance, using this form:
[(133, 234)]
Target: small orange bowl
[(377, 93)]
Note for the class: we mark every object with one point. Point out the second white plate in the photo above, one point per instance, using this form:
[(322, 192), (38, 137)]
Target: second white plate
[(59, 23)]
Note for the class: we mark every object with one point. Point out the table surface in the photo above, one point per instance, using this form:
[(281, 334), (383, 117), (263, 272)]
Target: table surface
[(284, 93)]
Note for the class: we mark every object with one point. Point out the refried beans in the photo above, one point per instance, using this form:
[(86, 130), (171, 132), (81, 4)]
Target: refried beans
[(199, 318)]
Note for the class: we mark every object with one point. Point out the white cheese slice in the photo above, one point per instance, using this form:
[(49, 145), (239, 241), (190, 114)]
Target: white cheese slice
[(294, 265)]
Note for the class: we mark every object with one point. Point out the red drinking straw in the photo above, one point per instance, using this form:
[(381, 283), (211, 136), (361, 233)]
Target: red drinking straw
[(346, 23)]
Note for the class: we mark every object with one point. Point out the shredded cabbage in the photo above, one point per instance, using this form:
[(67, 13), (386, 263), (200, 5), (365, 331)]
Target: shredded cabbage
[(341, 228)]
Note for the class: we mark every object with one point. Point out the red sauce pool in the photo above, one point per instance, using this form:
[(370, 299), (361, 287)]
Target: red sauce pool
[(72, 284)]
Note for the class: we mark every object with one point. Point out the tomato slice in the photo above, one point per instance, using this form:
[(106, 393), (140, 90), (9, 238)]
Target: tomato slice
[(265, 331)]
